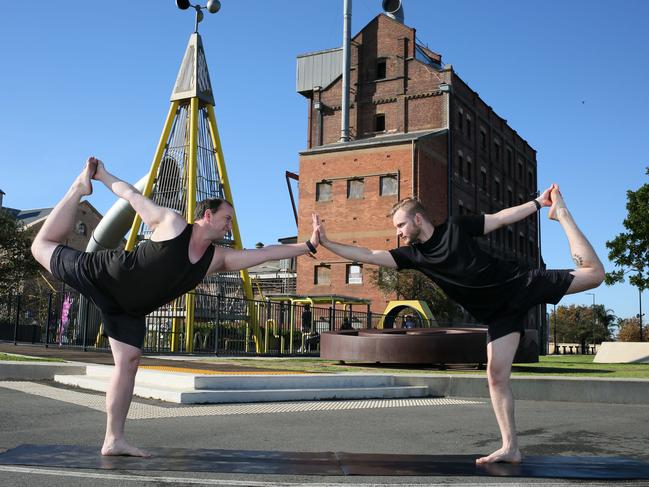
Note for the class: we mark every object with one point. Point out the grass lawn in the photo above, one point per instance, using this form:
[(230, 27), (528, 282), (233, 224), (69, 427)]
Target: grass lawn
[(559, 365), (23, 358)]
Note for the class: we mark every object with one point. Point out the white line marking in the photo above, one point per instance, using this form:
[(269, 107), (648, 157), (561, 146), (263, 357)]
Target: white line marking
[(258, 483)]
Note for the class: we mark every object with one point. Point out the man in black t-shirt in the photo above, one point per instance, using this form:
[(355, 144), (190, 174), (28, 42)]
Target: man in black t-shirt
[(126, 286), (494, 291)]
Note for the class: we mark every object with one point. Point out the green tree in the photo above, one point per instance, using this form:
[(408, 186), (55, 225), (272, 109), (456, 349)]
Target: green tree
[(16, 261), (583, 324), (412, 284), (630, 249)]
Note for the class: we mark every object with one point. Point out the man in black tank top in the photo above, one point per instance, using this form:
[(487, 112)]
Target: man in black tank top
[(126, 286), (496, 292)]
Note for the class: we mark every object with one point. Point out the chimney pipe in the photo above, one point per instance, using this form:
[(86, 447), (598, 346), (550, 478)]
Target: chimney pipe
[(393, 9), (347, 40)]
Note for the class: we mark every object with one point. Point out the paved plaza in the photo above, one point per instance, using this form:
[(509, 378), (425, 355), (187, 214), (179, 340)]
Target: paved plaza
[(43, 413)]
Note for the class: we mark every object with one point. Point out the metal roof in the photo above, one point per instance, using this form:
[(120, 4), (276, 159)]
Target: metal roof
[(374, 141)]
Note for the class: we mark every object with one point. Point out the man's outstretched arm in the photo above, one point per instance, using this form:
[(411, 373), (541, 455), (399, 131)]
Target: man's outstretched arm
[(151, 214), (352, 252), (226, 259), (516, 213)]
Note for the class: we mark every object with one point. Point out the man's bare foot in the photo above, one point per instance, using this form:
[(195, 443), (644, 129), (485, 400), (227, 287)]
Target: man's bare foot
[(83, 182), (557, 203), (120, 447), (501, 456)]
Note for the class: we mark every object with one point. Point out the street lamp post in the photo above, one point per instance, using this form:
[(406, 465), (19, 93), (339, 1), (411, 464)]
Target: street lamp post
[(640, 310), (592, 332), (556, 350)]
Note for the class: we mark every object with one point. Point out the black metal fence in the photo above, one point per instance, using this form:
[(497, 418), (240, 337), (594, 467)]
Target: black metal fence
[(222, 325)]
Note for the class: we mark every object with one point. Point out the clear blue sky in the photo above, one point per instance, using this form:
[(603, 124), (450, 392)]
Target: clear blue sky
[(81, 78)]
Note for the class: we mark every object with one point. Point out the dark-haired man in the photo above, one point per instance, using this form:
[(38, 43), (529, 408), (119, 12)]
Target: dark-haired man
[(126, 286), (494, 291)]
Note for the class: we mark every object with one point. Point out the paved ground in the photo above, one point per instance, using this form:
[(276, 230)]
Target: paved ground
[(44, 413), (547, 428)]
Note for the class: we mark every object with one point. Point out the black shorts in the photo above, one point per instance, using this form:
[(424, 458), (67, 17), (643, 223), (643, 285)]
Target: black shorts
[(66, 265), (542, 286)]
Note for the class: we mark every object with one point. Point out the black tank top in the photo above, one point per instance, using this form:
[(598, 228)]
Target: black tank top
[(151, 275)]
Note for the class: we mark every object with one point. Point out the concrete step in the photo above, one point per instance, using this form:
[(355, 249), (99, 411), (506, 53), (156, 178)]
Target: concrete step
[(248, 381), (187, 388)]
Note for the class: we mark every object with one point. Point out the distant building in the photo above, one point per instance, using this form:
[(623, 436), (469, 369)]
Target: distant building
[(417, 129), (275, 276)]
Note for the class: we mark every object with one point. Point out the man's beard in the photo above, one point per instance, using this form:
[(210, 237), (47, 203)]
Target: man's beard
[(414, 238)]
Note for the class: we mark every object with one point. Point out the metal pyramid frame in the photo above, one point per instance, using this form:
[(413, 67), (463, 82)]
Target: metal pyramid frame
[(188, 166)]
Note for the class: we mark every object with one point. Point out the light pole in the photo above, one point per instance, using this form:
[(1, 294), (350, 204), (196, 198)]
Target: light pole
[(640, 310), (592, 333), (556, 350)]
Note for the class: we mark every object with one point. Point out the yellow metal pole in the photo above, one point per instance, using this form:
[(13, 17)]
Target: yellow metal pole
[(220, 162), (162, 144), (174, 345), (191, 206)]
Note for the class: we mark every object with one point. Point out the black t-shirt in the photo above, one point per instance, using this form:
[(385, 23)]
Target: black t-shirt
[(480, 283)]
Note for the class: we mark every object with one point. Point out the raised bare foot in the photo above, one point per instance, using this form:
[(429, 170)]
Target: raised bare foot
[(501, 456), (557, 203), (83, 182), (120, 447)]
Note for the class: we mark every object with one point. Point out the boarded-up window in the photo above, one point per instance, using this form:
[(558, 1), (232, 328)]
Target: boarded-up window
[(355, 189), (379, 123), (354, 274), (323, 191), (322, 274), (388, 185), (381, 69)]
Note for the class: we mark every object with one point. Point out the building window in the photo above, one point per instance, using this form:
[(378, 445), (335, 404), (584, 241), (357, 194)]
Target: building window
[(322, 275), (468, 128), (469, 168), (520, 171), (483, 139), (497, 190), (460, 121), (388, 186), (497, 151), (323, 191), (530, 180), (460, 208), (354, 274), (460, 165), (521, 244), (520, 199), (379, 122), (483, 175), (381, 70), (510, 239), (355, 189), (510, 197)]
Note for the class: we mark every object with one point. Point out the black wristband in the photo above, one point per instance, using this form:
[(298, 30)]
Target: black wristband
[(310, 246), (538, 205)]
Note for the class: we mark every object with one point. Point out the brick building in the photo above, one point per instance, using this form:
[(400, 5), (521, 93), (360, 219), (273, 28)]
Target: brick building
[(416, 129)]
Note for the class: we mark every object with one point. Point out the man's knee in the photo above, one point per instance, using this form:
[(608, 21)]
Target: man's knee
[(498, 375)]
